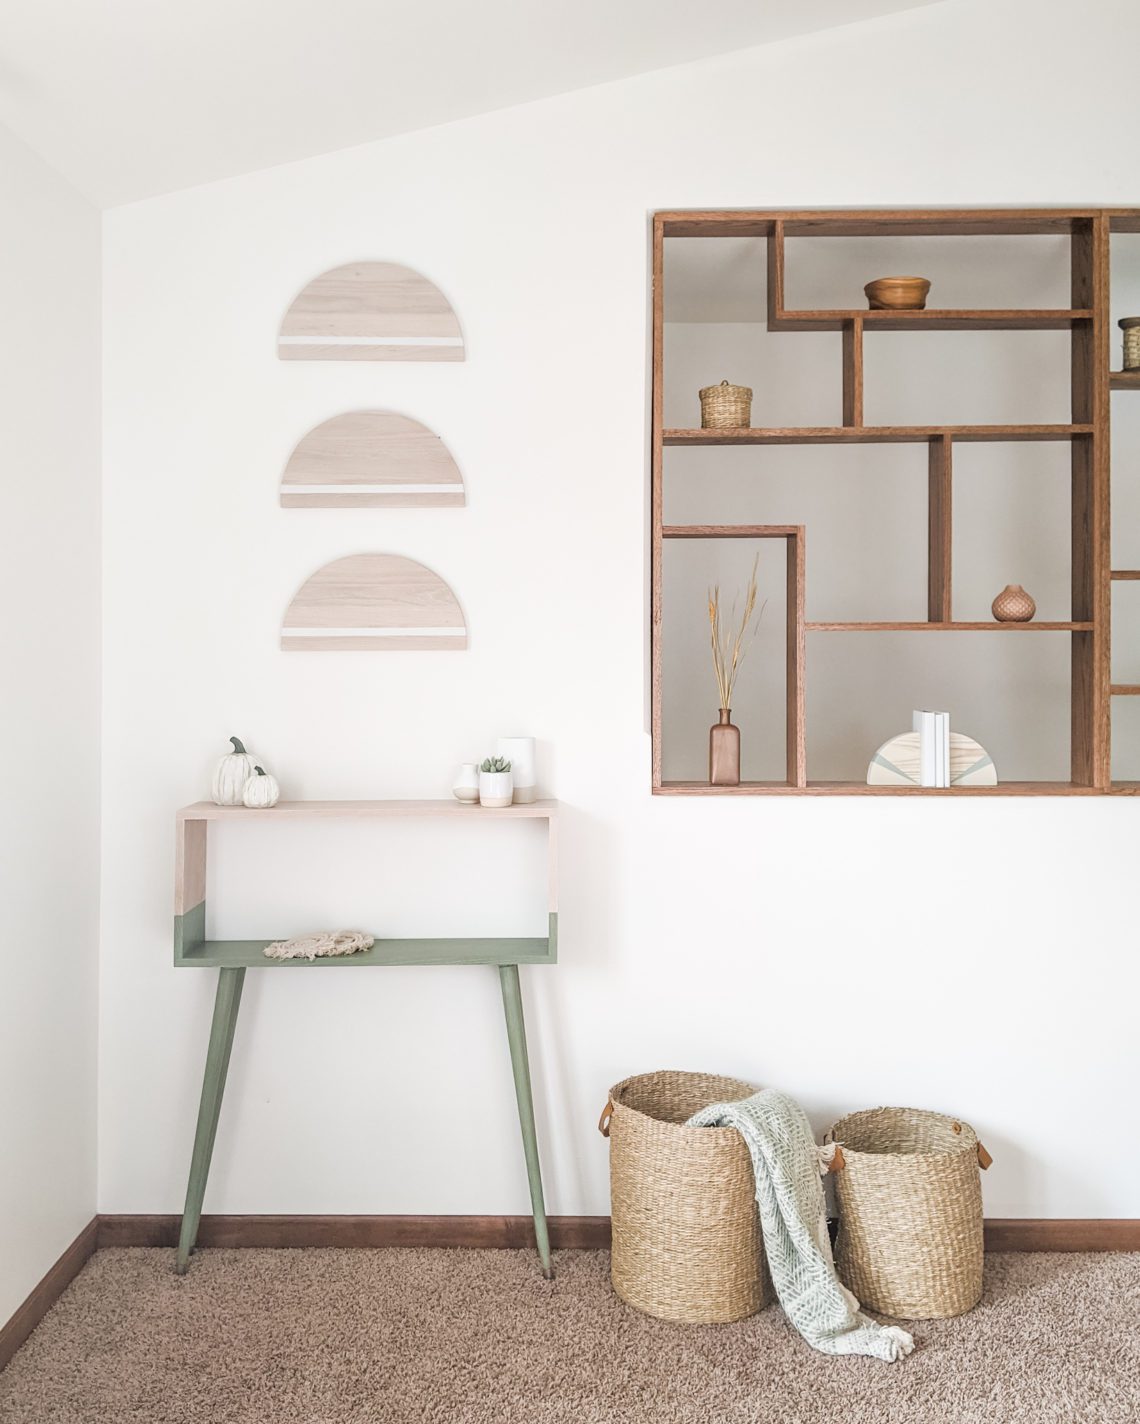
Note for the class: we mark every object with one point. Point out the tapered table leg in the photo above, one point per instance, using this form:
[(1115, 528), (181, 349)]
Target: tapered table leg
[(226, 1004), (516, 1035)]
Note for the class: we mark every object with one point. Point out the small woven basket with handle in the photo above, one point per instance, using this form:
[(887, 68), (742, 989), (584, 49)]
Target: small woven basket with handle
[(686, 1237), (910, 1212), (726, 407)]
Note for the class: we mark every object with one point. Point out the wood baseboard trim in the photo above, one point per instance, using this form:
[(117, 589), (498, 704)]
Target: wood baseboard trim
[(49, 1290), (1063, 1233), (591, 1233), (504, 1232)]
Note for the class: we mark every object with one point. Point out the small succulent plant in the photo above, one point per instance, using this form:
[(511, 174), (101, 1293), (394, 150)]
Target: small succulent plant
[(495, 764)]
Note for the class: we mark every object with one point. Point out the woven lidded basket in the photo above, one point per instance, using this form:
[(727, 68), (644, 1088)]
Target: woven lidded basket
[(725, 407), (910, 1212), (686, 1239), (1130, 325)]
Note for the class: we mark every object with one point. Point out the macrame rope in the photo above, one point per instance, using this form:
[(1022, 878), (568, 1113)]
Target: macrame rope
[(321, 945)]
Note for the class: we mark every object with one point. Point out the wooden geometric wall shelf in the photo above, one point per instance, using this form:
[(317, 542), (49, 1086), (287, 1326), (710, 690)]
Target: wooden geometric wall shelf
[(373, 602), (370, 311), (369, 459), (1085, 318)]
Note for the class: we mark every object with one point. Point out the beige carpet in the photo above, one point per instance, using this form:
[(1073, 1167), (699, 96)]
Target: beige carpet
[(478, 1337)]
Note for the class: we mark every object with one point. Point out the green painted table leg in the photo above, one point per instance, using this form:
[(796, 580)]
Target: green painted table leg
[(516, 1035), (213, 1086)]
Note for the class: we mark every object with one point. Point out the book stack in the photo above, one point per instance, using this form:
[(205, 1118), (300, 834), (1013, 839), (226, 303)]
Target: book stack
[(933, 730)]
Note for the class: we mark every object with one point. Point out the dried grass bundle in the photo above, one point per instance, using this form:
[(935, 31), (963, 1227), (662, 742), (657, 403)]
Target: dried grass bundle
[(728, 648)]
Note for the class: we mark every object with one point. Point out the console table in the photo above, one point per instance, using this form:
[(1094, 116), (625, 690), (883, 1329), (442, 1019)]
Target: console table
[(231, 958)]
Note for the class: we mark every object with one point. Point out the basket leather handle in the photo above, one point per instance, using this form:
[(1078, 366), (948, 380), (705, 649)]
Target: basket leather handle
[(985, 1161), (604, 1120), (838, 1161)]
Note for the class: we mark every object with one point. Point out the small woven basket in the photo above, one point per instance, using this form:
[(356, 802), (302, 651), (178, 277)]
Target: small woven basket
[(1130, 325), (686, 1239), (910, 1212), (726, 407)]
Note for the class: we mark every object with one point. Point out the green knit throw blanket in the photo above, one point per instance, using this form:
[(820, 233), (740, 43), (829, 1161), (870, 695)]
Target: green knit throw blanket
[(793, 1218)]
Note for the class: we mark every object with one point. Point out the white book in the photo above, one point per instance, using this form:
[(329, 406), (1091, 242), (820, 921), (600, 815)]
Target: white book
[(923, 723), (944, 748), (939, 760)]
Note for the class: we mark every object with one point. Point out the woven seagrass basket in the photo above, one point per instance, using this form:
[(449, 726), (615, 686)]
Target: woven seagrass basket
[(910, 1212), (725, 407), (686, 1238)]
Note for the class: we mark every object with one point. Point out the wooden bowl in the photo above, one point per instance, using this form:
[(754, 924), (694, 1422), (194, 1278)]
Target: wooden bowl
[(897, 293)]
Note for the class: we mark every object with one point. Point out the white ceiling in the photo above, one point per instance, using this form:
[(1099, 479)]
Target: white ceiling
[(130, 98)]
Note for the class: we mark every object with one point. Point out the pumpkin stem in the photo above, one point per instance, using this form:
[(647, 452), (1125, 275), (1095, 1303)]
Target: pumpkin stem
[(238, 748), (260, 770)]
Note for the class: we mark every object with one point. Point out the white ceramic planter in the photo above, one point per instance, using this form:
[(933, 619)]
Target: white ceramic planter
[(465, 787), (495, 788), (519, 751)]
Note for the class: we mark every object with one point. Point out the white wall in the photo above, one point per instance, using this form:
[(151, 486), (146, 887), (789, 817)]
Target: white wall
[(49, 716), (973, 956)]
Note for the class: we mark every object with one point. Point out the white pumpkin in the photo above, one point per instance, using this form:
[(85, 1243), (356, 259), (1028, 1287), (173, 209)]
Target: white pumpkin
[(234, 770), (261, 790)]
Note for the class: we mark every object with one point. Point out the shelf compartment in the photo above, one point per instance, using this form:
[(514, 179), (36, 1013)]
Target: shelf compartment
[(872, 434), (851, 320), (193, 949), (1044, 627), (795, 716)]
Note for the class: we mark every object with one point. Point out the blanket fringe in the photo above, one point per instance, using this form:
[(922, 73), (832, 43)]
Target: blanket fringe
[(904, 1342)]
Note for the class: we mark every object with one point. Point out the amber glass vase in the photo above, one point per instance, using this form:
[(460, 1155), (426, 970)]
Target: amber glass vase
[(724, 751)]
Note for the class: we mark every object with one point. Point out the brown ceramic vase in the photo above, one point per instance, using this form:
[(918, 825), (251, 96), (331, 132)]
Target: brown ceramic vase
[(1013, 605), (724, 751)]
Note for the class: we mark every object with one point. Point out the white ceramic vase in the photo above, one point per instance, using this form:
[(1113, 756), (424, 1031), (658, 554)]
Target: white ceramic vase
[(465, 787), (495, 788), (519, 751)]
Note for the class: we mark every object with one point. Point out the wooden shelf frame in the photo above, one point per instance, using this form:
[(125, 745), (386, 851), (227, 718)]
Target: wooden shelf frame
[(1087, 432)]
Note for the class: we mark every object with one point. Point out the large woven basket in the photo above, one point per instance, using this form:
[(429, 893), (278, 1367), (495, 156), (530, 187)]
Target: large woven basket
[(725, 407), (686, 1240), (910, 1212)]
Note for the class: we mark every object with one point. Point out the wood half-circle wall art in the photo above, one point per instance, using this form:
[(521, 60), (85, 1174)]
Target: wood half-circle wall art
[(370, 311), (369, 459), (373, 603)]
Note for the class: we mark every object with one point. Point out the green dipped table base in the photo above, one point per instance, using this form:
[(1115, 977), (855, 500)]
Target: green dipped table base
[(226, 1004)]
